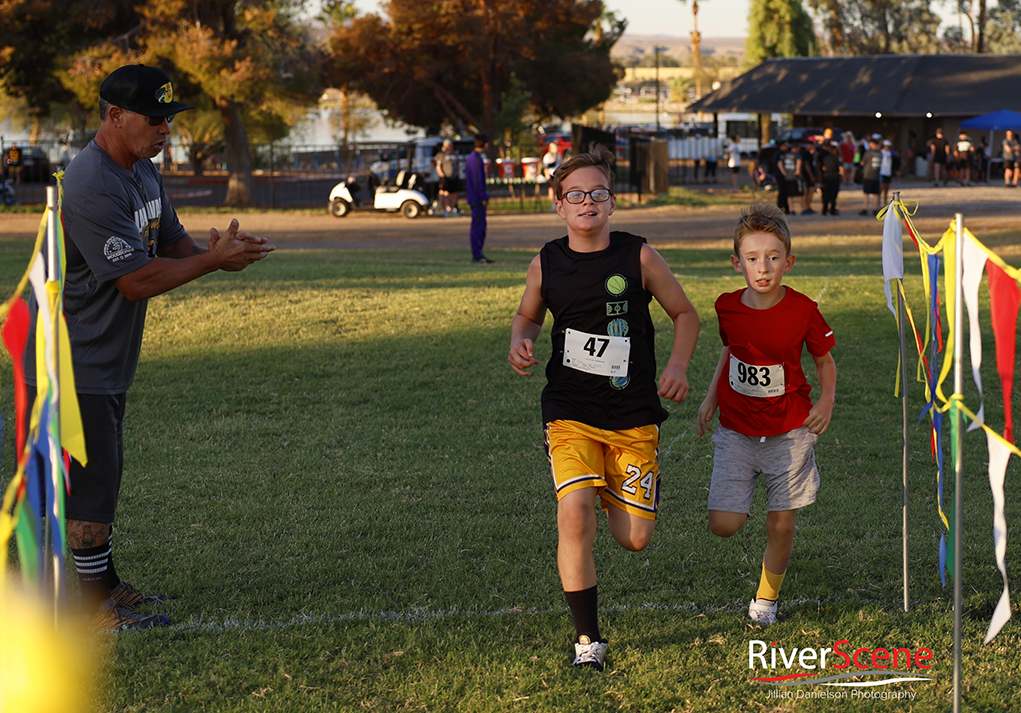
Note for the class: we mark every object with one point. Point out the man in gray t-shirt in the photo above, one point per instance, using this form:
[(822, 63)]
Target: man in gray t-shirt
[(450, 180), (124, 244)]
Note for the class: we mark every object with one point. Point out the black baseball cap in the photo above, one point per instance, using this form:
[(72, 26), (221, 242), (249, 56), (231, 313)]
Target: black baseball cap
[(143, 90)]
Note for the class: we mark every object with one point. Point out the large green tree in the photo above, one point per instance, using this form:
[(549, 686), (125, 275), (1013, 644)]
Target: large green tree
[(450, 62), (252, 59), (778, 28), (36, 36), (860, 27)]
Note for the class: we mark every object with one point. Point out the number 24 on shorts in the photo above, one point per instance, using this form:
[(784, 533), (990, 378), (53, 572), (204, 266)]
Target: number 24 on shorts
[(648, 482)]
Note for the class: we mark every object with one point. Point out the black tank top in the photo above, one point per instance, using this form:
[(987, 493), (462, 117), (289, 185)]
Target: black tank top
[(600, 293)]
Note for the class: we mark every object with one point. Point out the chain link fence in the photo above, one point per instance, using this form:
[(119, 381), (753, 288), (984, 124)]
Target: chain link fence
[(302, 175)]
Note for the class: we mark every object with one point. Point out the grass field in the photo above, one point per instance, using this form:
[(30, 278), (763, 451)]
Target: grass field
[(334, 472)]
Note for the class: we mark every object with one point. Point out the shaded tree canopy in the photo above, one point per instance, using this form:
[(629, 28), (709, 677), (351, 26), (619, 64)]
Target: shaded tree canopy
[(778, 28), (251, 58), (862, 27), (449, 62), (36, 37), (1003, 33)]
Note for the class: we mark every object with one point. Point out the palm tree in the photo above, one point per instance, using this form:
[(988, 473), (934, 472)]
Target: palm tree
[(696, 52)]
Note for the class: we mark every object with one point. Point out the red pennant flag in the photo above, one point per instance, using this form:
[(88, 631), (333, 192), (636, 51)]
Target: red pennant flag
[(15, 336), (1004, 301)]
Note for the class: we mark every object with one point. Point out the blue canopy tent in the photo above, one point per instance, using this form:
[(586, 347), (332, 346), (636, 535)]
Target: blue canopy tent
[(994, 121)]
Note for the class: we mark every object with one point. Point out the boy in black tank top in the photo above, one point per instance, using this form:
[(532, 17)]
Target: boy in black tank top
[(601, 405)]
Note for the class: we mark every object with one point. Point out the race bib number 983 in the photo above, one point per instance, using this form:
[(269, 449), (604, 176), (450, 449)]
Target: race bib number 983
[(761, 382), (596, 353)]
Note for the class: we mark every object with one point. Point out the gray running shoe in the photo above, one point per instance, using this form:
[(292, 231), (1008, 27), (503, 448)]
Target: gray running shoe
[(590, 653)]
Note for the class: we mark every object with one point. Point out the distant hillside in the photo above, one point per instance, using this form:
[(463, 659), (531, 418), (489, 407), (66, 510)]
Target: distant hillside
[(637, 46)]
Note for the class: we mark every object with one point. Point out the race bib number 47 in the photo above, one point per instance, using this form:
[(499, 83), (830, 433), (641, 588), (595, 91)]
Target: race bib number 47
[(596, 353), (759, 382)]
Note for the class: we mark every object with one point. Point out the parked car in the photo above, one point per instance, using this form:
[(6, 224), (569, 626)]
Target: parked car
[(800, 134), (563, 140), (35, 165)]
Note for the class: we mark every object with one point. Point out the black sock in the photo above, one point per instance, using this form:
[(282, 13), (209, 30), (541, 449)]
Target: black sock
[(112, 578), (585, 608), (95, 573)]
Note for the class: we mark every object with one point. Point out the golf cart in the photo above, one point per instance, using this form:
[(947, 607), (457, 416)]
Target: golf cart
[(402, 196)]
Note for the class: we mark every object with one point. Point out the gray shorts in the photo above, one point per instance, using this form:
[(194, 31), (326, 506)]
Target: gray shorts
[(787, 461)]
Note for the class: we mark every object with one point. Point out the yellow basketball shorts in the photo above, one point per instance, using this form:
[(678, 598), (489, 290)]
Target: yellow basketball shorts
[(623, 465)]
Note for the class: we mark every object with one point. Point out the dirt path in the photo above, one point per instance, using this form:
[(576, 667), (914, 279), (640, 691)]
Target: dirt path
[(985, 208)]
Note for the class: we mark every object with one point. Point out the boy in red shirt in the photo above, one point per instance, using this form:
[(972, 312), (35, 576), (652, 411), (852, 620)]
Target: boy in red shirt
[(768, 424)]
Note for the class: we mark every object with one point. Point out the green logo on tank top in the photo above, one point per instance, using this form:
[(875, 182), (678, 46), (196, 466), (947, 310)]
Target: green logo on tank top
[(616, 284)]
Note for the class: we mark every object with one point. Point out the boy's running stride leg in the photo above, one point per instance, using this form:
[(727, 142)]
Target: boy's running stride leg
[(576, 525), (780, 531)]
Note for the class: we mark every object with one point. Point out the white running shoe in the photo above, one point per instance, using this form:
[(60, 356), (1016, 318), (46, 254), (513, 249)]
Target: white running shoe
[(590, 653), (762, 611)]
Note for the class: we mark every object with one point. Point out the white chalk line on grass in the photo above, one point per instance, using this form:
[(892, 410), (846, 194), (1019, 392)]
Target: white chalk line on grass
[(418, 616), (825, 284)]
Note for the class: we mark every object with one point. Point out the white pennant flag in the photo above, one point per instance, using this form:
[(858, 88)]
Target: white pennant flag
[(893, 253), (999, 454), (974, 265)]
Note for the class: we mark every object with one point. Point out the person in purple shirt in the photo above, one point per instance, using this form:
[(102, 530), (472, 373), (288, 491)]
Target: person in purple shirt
[(478, 197)]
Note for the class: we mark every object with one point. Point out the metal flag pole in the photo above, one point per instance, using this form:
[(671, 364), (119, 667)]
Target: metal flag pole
[(56, 482), (49, 568), (955, 423), (901, 321)]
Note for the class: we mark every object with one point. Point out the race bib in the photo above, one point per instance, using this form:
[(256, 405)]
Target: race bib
[(596, 353), (760, 382)]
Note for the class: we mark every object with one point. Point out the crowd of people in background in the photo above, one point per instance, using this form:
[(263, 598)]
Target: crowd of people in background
[(822, 164), (818, 165), (964, 161)]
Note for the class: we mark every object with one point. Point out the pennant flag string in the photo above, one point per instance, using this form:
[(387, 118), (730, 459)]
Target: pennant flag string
[(1004, 305), (54, 430)]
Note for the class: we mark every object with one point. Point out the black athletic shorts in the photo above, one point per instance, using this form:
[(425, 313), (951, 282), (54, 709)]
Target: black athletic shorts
[(451, 184), (95, 487), (870, 186)]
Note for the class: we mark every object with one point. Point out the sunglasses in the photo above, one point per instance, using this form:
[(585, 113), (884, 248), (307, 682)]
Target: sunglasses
[(157, 120)]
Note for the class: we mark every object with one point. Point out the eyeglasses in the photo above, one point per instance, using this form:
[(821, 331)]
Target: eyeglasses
[(599, 195)]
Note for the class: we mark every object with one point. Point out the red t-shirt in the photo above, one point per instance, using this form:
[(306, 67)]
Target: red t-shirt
[(847, 151), (763, 390)]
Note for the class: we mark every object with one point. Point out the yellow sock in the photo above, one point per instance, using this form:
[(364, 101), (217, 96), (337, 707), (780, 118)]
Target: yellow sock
[(769, 584)]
